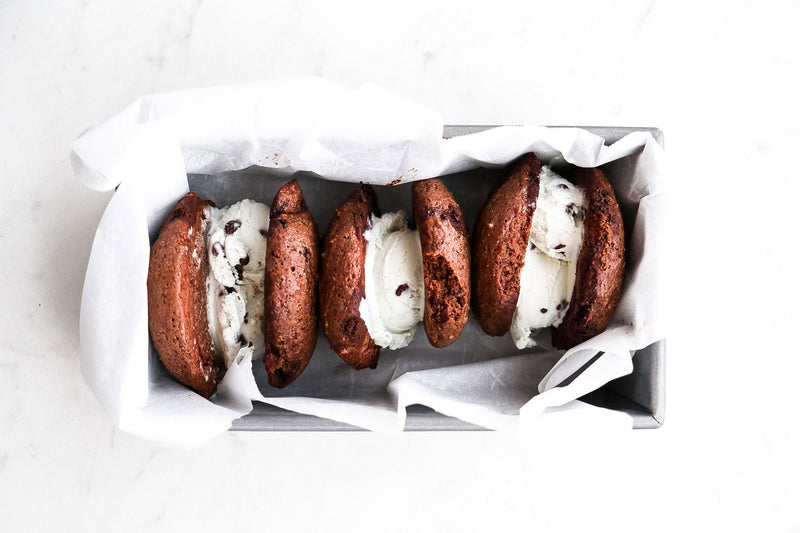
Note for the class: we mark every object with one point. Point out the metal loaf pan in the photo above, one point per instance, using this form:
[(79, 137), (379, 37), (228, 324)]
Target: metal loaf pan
[(640, 394)]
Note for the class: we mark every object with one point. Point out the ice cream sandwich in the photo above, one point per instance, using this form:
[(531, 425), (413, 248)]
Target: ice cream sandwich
[(379, 278), (548, 253), (234, 281)]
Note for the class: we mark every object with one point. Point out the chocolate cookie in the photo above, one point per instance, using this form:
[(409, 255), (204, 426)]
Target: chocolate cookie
[(176, 298), (341, 284), (445, 261), (601, 262), (500, 242), (290, 287)]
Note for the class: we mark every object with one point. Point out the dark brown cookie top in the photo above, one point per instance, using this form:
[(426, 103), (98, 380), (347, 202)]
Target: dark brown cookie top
[(290, 287), (341, 285), (176, 298), (601, 262), (445, 261), (500, 241)]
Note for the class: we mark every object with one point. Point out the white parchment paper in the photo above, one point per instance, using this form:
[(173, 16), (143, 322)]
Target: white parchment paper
[(364, 135)]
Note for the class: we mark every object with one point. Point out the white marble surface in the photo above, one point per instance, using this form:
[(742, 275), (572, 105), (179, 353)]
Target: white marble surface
[(721, 80)]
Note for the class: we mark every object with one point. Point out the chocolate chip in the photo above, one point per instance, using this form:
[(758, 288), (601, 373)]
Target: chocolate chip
[(239, 271), (543, 309), (232, 226), (221, 294), (241, 339), (244, 260), (350, 327), (562, 305), (263, 232), (306, 253), (401, 289), (571, 209), (229, 290), (217, 249), (560, 246), (280, 375), (451, 215)]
